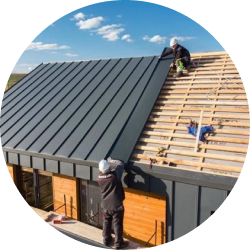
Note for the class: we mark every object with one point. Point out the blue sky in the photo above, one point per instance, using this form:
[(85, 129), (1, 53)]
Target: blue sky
[(114, 30)]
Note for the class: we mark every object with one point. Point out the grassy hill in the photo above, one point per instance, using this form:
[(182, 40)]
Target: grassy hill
[(14, 78)]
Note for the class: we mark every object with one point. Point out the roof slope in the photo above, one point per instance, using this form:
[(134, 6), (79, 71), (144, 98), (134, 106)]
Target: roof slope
[(216, 88), (81, 110)]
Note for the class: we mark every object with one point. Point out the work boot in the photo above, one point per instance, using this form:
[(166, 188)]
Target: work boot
[(123, 245), (188, 69), (109, 242), (179, 74)]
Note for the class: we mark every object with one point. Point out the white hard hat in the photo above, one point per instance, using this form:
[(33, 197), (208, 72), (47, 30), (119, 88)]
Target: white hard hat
[(173, 41), (103, 166)]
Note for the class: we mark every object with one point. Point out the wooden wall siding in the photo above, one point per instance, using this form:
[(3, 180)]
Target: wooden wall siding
[(68, 186), (10, 169), (142, 209), (214, 87)]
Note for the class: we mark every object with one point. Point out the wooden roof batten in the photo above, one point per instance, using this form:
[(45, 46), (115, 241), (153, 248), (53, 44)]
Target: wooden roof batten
[(215, 88)]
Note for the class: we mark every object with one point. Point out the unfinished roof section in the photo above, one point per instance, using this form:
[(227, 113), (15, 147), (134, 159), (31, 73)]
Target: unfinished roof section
[(215, 88), (77, 111)]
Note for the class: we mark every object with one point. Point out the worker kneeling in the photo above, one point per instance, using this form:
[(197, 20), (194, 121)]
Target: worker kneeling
[(182, 57), (112, 194)]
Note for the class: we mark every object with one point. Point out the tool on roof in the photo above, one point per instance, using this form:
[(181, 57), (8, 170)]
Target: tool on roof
[(151, 162), (59, 219), (198, 131), (161, 152)]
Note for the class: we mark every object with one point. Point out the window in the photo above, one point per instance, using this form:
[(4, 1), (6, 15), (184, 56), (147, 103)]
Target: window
[(46, 192), (36, 188), (27, 186)]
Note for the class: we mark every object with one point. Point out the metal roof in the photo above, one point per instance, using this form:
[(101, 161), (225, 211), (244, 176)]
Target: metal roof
[(80, 112)]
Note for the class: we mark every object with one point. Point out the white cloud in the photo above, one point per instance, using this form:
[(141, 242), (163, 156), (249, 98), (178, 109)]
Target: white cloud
[(79, 16), (71, 55), (91, 23), (30, 68), (27, 65), (183, 38), (24, 67), (119, 16), (127, 38), (155, 39), (40, 46), (110, 32)]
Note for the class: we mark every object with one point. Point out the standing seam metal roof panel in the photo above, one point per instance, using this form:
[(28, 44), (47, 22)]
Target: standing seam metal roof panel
[(21, 83), (35, 105), (82, 111), (79, 114), (44, 110)]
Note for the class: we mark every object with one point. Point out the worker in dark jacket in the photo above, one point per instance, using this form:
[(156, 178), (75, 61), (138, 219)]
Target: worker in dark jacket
[(182, 57), (112, 195)]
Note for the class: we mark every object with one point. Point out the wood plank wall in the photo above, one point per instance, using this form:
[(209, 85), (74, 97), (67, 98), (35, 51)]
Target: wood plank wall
[(11, 171), (142, 209), (64, 185)]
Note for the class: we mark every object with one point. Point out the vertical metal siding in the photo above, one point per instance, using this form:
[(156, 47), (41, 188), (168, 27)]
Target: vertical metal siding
[(211, 200), (184, 213), (188, 206)]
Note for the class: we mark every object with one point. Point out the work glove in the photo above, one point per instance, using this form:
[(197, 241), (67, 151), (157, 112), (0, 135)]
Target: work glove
[(114, 162)]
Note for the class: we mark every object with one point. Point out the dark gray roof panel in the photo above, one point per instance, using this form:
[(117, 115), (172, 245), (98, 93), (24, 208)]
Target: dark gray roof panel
[(43, 109), (115, 102), (34, 74), (23, 102), (115, 126), (131, 132), (82, 110), (29, 88), (65, 123), (29, 108), (79, 125)]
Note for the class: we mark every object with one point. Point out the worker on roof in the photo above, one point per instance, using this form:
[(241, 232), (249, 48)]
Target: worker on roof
[(182, 57), (112, 194)]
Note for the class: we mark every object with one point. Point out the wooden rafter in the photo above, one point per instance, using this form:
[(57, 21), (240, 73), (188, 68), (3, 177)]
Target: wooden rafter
[(214, 88)]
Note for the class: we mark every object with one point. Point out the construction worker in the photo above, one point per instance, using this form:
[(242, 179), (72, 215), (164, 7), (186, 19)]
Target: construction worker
[(182, 57), (112, 194)]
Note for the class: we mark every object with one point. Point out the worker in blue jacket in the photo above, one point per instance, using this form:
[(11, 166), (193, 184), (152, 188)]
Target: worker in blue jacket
[(112, 194), (182, 57)]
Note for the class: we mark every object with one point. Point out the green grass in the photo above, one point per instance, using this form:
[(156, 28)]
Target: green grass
[(14, 78)]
